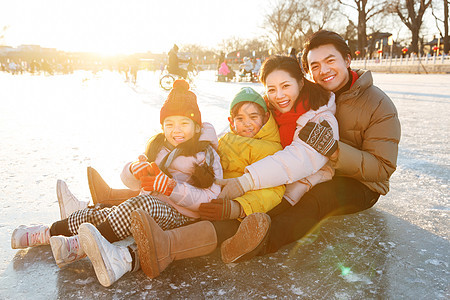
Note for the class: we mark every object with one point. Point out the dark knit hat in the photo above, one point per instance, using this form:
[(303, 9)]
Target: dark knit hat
[(247, 94), (181, 102)]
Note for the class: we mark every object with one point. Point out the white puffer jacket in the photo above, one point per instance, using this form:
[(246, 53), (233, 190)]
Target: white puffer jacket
[(185, 198), (298, 165)]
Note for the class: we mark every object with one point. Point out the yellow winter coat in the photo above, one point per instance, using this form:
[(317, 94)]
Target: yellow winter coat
[(237, 152)]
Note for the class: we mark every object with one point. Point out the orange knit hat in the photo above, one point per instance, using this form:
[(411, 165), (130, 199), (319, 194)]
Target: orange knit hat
[(181, 102)]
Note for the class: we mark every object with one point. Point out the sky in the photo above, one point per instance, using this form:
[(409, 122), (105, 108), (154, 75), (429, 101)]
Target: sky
[(130, 26)]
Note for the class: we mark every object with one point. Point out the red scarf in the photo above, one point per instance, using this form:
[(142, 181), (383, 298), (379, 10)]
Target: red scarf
[(354, 77), (287, 122)]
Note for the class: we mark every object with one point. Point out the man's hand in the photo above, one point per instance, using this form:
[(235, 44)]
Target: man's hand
[(219, 209), (159, 182), (320, 137)]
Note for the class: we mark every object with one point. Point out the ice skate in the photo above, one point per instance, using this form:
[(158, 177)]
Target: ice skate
[(68, 203), (66, 250), (30, 236)]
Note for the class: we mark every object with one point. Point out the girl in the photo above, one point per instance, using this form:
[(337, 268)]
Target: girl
[(176, 179)]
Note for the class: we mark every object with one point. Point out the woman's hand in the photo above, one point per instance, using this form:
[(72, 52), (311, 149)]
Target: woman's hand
[(235, 187)]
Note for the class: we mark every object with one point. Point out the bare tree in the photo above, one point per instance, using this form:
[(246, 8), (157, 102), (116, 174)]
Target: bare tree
[(257, 44), (321, 12), (231, 44), (444, 20), (411, 14), (365, 11), (279, 24)]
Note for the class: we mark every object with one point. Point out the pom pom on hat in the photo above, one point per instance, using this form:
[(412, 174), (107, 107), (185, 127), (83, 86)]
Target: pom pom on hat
[(181, 102), (181, 85)]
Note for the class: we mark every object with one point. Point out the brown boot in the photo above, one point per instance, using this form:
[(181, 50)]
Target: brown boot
[(158, 248), (102, 193), (250, 237)]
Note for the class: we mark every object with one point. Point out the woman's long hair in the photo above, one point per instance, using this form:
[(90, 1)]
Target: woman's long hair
[(314, 93)]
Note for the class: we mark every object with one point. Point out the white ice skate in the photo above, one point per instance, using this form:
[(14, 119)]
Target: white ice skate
[(66, 249), (110, 262), (68, 203), (30, 236)]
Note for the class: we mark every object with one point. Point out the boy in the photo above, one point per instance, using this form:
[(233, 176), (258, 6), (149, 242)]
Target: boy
[(254, 135)]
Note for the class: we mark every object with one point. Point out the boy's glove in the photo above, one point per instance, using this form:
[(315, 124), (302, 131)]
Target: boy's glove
[(141, 167), (159, 182), (219, 209), (235, 187), (320, 137)]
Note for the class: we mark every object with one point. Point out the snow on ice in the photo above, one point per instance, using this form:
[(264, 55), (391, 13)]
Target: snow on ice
[(53, 127)]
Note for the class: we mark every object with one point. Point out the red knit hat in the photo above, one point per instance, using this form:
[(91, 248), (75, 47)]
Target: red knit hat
[(181, 102)]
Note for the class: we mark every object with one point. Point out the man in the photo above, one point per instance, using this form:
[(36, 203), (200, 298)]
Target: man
[(174, 63)]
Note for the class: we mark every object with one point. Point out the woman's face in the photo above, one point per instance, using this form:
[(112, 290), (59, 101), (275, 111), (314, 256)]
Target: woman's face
[(179, 129), (282, 90)]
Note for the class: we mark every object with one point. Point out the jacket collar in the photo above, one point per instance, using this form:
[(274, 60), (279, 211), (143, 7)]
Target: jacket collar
[(363, 82)]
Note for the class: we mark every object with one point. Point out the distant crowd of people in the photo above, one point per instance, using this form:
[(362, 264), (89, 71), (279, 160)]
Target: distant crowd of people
[(19, 66)]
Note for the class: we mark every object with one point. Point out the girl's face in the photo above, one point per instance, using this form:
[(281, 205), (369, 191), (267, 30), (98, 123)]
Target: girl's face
[(282, 90), (248, 121), (179, 129)]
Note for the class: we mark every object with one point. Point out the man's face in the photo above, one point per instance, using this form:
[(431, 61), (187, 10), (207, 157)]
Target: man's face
[(328, 68)]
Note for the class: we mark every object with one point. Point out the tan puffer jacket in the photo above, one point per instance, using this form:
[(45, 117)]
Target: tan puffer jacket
[(369, 131)]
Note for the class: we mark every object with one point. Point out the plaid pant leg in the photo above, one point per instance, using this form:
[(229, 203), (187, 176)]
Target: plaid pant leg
[(165, 215), (92, 214)]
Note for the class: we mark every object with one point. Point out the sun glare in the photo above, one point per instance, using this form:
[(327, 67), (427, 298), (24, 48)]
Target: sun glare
[(116, 27)]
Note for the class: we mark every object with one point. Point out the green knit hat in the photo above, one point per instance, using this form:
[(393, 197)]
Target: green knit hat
[(247, 94)]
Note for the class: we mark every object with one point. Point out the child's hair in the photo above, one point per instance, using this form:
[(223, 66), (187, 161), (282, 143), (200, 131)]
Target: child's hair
[(324, 37), (235, 110), (316, 95)]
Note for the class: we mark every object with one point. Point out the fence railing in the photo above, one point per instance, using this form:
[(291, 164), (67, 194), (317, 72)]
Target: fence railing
[(405, 61)]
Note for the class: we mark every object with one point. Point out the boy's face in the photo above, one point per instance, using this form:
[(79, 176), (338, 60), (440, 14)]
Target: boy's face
[(248, 121), (328, 68), (178, 129)]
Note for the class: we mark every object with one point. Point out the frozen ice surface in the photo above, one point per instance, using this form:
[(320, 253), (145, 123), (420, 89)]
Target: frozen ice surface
[(54, 127)]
